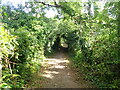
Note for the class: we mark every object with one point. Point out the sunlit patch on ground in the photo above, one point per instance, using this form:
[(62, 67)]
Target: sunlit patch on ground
[(58, 74), (55, 64), (48, 74)]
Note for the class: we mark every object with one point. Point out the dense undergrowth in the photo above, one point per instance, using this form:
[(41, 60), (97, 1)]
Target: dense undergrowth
[(95, 49), (23, 39), (92, 38)]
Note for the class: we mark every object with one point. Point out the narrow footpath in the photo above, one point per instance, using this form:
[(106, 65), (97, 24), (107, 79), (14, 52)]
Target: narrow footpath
[(58, 72)]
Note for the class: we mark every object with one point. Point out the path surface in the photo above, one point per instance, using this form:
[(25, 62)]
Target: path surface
[(58, 73)]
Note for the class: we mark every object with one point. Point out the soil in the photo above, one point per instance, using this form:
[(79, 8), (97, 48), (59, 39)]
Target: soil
[(58, 72)]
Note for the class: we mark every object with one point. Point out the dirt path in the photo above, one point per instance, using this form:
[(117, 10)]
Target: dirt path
[(58, 73)]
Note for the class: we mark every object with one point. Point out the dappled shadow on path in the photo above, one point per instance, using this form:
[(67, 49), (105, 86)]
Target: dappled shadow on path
[(58, 74)]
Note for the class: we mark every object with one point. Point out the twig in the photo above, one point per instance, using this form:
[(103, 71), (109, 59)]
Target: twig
[(56, 5)]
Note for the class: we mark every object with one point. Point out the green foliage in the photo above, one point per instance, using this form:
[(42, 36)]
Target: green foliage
[(24, 47), (12, 80), (7, 42), (8, 45), (96, 50), (92, 38)]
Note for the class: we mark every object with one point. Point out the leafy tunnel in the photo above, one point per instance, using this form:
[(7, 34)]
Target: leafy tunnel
[(88, 31)]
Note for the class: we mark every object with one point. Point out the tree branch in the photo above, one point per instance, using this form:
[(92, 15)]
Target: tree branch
[(56, 5)]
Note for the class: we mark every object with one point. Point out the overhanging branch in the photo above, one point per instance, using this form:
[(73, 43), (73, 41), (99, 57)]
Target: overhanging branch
[(56, 5)]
